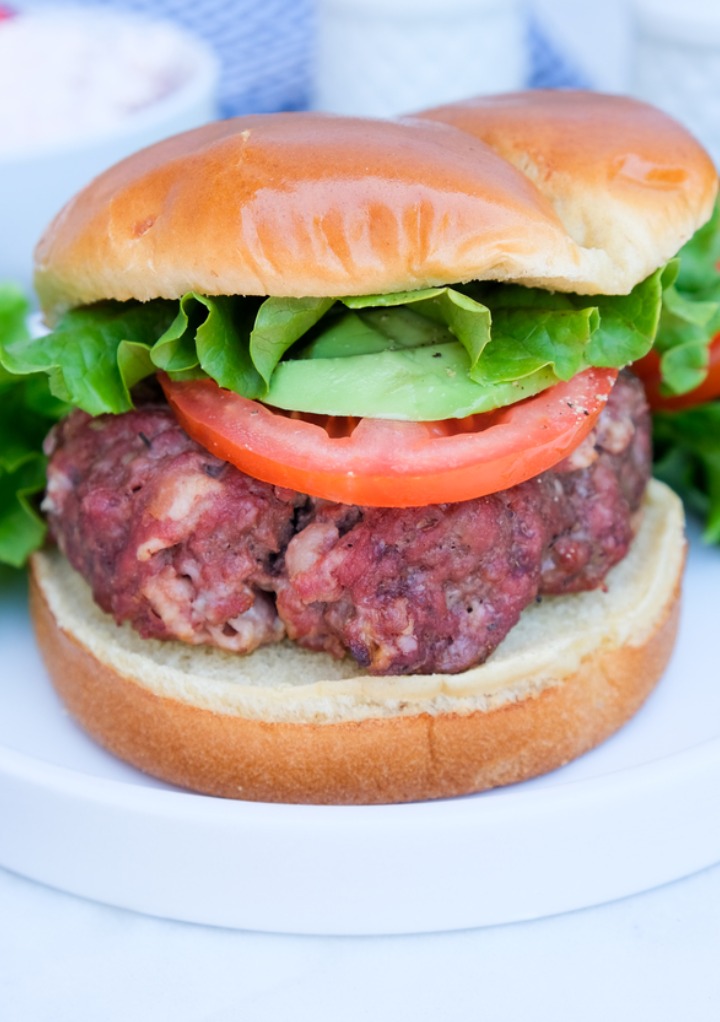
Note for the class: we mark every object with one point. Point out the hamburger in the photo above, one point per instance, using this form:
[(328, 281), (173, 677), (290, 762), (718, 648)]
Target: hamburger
[(353, 504)]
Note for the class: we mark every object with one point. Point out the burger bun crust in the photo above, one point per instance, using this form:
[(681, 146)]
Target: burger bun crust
[(568, 191), (283, 725)]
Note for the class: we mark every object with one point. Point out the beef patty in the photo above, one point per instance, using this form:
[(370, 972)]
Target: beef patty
[(185, 546)]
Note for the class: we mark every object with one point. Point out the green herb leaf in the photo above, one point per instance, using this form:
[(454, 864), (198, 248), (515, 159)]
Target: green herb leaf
[(687, 453)]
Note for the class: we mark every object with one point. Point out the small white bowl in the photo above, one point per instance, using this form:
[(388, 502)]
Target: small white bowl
[(42, 169)]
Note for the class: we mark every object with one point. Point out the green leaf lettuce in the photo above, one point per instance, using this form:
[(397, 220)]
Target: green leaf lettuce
[(430, 354), (27, 411)]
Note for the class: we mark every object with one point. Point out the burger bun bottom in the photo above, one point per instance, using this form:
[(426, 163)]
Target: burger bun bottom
[(288, 725)]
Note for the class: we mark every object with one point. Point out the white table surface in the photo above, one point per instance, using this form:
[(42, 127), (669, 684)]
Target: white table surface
[(655, 956)]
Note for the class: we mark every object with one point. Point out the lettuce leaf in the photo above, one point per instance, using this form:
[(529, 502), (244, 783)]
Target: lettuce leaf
[(687, 443), (699, 259), (291, 352), (27, 411), (687, 457), (95, 354), (691, 311)]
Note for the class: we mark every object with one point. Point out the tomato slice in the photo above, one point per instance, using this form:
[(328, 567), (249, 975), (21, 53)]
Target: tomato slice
[(648, 369), (385, 463)]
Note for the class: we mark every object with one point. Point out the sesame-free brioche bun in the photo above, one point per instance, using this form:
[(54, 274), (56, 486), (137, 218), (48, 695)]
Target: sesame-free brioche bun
[(619, 173), (289, 725), (579, 192)]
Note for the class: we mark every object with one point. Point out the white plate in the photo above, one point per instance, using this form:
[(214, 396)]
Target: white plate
[(641, 810)]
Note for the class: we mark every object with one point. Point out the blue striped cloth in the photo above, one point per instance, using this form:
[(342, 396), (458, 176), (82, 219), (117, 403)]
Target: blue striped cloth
[(265, 49), (549, 66)]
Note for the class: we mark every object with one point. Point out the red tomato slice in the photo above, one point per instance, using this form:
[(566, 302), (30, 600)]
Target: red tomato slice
[(384, 463), (648, 369)]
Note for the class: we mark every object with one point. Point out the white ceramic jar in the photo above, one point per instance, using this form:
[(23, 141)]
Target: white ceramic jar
[(83, 89), (676, 63), (385, 57)]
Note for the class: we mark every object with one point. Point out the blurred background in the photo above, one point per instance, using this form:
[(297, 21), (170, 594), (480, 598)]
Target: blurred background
[(85, 83)]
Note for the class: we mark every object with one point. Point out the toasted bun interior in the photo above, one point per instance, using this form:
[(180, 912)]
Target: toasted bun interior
[(570, 191), (287, 725)]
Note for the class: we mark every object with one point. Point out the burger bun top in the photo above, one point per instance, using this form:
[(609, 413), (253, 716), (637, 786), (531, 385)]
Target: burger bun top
[(567, 191)]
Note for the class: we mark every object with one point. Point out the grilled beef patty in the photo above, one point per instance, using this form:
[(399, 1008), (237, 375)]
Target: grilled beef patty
[(185, 546)]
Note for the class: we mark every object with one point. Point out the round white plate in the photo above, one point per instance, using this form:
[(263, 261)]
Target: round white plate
[(641, 810)]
